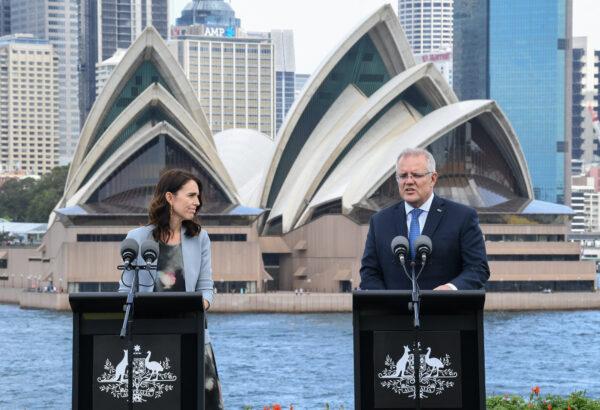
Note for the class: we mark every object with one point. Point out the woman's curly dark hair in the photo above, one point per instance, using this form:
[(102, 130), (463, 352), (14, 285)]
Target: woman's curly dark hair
[(159, 211)]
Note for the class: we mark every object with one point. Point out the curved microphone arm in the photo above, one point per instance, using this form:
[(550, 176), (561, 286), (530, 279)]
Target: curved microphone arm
[(399, 248)]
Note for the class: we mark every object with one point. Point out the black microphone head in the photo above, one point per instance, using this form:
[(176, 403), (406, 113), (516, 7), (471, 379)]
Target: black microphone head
[(423, 245), (149, 250), (129, 249), (400, 246)]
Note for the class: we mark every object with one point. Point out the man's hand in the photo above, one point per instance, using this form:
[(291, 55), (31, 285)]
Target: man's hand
[(206, 304), (445, 287)]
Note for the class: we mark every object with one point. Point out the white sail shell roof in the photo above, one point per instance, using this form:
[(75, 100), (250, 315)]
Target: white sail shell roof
[(347, 153)]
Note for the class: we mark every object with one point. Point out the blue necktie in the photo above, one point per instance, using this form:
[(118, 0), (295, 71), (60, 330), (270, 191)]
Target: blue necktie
[(415, 230)]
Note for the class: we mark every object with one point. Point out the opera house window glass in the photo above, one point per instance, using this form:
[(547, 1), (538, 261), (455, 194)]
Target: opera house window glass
[(131, 185), (471, 169)]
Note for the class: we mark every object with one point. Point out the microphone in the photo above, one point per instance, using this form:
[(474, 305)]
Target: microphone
[(400, 248), (423, 247), (129, 251), (149, 251)]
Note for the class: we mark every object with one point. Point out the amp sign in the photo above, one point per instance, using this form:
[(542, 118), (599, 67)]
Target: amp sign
[(215, 31)]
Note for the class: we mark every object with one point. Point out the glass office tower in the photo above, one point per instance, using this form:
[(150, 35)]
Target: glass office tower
[(518, 53), (470, 48), (4, 17)]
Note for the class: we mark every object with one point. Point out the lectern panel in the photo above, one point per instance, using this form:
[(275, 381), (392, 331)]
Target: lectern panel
[(167, 350), (449, 343), (156, 371), (394, 367)]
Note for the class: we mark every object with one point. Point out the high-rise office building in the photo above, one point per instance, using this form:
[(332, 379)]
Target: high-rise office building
[(107, 25), (285, 69), (519, 54), (232, 71), (233, 79), (28, 105), (105, 68), (4, 17), (57, 22), (597, 83), (470, 45), (427, 24), (585, 201), (578, 206), (300, 81), (428, 28), (285, 73), (579, 51), (577, 167)]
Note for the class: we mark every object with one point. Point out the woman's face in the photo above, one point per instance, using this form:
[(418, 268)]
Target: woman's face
[(184, 202)]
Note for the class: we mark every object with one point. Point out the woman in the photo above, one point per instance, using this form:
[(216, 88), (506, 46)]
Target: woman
[(184, 255)]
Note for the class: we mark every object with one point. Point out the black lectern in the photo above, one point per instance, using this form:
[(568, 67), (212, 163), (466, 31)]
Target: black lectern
[(168, 353), (448, 345)]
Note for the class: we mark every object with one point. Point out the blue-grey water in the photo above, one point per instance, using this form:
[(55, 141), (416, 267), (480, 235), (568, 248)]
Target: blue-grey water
[(306, 359)]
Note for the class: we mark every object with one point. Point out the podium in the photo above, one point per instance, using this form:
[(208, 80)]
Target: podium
[(168, 353), (449, 342)]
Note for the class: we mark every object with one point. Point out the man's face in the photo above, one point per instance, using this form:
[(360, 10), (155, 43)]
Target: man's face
[(415, 182)]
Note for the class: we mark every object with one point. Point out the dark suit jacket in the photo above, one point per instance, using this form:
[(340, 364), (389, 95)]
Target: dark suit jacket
[(458, 253)]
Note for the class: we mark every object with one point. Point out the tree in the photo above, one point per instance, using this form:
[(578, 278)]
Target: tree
[(28, 200), (14, 198)]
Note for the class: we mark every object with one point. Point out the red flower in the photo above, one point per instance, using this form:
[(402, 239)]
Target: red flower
[(536, 390), (277, 407), (549, 407)]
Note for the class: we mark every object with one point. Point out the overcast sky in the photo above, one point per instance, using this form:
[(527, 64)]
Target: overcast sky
[(319, 25)]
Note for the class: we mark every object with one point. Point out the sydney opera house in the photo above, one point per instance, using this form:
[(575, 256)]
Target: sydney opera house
[(293, 212)]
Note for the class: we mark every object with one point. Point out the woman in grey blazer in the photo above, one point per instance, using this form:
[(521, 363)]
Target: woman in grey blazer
[(184, 255)]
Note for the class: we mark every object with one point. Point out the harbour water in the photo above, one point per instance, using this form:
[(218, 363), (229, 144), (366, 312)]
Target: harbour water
[(306, 359)]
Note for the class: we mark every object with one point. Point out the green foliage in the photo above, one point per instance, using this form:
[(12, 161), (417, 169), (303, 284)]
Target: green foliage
[(576, 401), (29, 200)]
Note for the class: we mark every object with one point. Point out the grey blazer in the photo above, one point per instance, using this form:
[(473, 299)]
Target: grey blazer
[(196, 263)]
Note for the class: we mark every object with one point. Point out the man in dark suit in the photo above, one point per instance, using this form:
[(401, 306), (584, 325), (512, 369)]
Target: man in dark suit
[(458, 260)]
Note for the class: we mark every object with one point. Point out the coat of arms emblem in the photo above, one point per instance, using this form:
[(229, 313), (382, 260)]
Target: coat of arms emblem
[(151, 378), (435, 374)]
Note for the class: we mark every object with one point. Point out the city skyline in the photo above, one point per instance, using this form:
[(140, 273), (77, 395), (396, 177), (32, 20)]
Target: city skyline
[(314, 35)]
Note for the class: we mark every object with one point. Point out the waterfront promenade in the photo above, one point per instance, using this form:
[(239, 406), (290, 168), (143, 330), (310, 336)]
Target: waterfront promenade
[(290, 302)]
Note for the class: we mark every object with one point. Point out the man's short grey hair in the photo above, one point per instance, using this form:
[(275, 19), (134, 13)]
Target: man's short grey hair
[(418, 152)]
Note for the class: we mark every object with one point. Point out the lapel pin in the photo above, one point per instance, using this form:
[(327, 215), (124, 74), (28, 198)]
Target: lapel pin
[(439, 210)]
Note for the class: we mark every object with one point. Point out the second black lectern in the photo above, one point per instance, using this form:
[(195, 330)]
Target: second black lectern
[(447, 350), (168, 355)]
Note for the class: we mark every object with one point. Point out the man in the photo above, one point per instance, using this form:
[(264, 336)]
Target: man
[(458, 260)]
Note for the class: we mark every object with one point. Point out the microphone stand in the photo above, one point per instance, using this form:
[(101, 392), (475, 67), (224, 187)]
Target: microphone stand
[(126, 328), (416, 297), (414, 305)]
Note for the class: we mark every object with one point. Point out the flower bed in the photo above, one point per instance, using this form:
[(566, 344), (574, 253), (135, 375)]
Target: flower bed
[(576, 401)]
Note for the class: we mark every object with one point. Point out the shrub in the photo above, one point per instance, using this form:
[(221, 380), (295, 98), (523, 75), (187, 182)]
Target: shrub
[(575, 401)]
